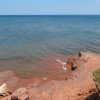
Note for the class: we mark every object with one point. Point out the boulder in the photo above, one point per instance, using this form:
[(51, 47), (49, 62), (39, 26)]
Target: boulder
[(21, 93), (4, 90), (10, 79)]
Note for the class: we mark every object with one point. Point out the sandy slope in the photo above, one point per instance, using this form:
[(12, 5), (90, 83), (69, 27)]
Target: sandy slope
[(76, 87)]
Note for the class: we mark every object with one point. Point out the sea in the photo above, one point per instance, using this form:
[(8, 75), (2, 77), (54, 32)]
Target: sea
[(31, 44)]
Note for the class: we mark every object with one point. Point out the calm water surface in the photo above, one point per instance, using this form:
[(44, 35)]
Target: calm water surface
[(29, 44)]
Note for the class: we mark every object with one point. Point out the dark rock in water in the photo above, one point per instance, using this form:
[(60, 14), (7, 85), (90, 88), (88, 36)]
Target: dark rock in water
[(79, 54), (14, 97)]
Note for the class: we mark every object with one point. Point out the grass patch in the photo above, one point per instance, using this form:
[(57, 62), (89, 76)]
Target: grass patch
[(96, 75)]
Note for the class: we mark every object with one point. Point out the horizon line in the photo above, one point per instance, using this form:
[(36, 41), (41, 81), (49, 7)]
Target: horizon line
[(50, 15)]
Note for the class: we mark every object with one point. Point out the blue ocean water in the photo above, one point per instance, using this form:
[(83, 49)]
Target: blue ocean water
[(26, 39)]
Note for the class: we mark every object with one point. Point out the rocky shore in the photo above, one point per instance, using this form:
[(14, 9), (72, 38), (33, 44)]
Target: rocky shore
[(78, 86)]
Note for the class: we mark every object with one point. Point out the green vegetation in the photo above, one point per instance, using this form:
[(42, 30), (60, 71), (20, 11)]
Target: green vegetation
[(96, 75)]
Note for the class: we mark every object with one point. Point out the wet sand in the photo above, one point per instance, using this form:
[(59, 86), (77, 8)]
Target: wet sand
[(46, 67)]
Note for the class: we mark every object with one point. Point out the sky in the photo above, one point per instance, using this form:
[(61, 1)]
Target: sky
[(49, 7)]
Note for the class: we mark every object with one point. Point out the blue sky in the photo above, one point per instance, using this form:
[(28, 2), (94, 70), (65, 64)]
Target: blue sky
[(49, 7)]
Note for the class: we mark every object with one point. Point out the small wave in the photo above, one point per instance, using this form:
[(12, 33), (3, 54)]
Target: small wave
[(62, 63)]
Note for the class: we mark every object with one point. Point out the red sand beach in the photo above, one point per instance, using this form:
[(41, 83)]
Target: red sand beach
[(73, 86)]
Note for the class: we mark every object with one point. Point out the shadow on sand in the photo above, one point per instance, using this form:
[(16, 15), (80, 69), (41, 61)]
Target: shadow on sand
[(94, 96)]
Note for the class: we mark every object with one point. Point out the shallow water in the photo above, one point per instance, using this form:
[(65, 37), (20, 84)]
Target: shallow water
[(25, 41)]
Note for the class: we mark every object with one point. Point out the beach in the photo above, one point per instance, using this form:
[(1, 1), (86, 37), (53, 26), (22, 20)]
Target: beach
[(78, 86)]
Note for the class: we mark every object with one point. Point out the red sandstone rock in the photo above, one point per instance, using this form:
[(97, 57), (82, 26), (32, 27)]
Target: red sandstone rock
[(10, 79), (70, 61), (21, 93)]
